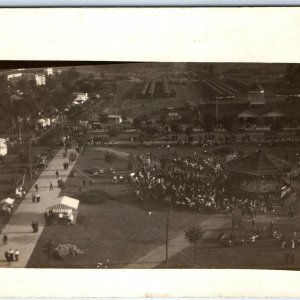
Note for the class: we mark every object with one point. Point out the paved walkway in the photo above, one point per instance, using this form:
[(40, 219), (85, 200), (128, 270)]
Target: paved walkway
[(176, 245), (19, 230)]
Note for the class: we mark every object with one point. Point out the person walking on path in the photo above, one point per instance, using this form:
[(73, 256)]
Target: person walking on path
[(38, 197), (271, 226), (51, 186), (57, 173), (83, 182), (36, 188), (17, 254), (11, 255), (5, 239), (253, 222), (33, 197), (6, 254)]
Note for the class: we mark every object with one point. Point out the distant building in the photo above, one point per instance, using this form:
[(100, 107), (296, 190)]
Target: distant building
[(94, 117), (80, 98), (40, 79), (49, 72), (114, 119), (256, 95), (172, 116), (16, 75)]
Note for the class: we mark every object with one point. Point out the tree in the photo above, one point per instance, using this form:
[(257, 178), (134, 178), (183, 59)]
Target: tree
[(73, 74), (194, 234)]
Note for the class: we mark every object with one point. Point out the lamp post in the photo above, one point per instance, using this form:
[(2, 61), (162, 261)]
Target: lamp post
[(116, 106), (20, 134), (30, 160), (169, 202), (217, 113)]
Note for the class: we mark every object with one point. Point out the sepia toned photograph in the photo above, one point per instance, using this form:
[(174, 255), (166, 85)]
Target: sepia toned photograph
[(150, 165)]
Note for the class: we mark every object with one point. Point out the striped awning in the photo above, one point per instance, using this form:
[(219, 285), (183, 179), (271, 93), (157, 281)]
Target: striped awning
[(9, 201), (259, 163), (60, 208)]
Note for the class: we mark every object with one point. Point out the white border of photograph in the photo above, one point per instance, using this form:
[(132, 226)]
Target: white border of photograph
[(173, 35)]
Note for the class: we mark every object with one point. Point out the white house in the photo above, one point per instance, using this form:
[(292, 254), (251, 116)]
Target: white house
[(40, 79), (80, 98), (16, 75), (114, 119)]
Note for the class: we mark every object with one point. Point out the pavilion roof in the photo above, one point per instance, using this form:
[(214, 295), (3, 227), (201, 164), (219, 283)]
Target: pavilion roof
[(247, 114), (259, 163)]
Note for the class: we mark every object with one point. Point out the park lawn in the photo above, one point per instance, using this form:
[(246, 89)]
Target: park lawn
[(119, 229), (263, 254)]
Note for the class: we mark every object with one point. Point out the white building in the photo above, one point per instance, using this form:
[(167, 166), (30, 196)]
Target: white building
[(256, 95), (16, 75), (40, 79), (3, 147), (80, 98), (49, 72), (114, 119)]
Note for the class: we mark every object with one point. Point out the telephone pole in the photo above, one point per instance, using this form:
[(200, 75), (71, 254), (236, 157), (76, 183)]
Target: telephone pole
[(217, 112), (20, 134), (30, 161)]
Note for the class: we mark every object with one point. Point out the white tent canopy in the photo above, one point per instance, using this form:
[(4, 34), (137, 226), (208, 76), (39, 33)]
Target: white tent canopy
[(71, 202), (9, 201)]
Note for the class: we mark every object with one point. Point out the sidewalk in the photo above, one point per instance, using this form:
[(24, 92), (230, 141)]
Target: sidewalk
[(176, 245), (19, 230)]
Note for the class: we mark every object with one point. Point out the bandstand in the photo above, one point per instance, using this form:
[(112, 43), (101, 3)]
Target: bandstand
[(259, 175)]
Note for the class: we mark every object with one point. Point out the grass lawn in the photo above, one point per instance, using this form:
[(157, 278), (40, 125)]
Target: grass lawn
[(265, 253)]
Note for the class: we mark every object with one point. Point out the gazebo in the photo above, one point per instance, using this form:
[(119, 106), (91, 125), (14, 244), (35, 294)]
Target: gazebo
[(260, 174)]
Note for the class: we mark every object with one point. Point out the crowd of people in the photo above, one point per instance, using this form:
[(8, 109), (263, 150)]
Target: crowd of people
[(194, 182)]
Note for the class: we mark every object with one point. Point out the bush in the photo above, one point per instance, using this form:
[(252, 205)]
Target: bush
[(63, 251), (110, 157)]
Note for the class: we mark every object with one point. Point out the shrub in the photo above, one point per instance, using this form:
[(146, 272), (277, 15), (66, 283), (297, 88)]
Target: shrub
[(63, 251)]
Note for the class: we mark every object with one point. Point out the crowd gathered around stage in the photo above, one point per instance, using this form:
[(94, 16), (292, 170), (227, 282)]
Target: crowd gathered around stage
[(191, 181)]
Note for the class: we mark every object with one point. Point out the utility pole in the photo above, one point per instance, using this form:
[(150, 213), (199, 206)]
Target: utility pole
[(20, 134), (217, 112), (30, 161), (116, 108), (167, 229), (62, 128), (12, 115)]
